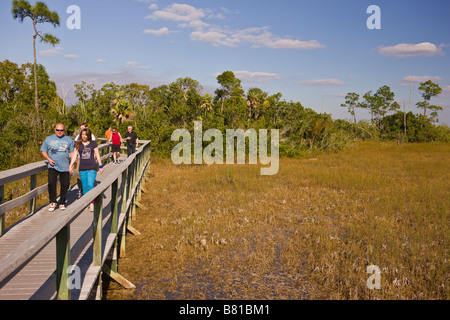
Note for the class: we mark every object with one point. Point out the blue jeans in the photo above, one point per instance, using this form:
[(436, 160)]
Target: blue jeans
[(88, 179)]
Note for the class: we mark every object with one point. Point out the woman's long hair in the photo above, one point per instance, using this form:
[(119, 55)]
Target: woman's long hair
[(80, 138)]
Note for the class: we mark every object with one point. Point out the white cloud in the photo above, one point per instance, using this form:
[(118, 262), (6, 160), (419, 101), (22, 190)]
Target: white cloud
[(71, 56), (404, 50), (51, 52), (188, 15), (195, 24), (57, 51), (216, 37), (256, 76), (160, 32), (131, 64), (323, 82), (406, 81), (219, 16), (257, 37), (445, 92), (191, 17), (100, 61), (294, 44), (152, 4), (261, 37)]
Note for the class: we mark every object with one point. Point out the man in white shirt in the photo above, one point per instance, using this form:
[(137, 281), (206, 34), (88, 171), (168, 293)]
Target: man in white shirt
[(84, 125)]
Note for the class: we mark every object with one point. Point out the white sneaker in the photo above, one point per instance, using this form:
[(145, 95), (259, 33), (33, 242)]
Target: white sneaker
[(52, 206), (62, 207), (91, 207)]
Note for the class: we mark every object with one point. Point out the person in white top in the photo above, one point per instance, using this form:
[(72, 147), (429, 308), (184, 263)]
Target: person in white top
[(84, 125)]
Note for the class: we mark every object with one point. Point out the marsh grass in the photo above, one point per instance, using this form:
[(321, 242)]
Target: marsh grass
[(309, 232)]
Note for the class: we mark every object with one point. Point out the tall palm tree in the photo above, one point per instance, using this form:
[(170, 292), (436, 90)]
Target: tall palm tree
[(430, 89), (255, 99), (121, 109), (207, 103), (39, 13)]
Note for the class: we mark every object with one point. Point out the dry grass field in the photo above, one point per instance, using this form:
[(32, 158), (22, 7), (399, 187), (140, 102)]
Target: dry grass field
[(309, 232)]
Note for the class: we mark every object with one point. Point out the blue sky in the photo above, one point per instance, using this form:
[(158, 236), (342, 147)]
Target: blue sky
[(314, 52)]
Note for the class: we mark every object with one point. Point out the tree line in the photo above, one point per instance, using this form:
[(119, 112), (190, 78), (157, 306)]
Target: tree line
[(30, 108), (401, 125), (156, 112)]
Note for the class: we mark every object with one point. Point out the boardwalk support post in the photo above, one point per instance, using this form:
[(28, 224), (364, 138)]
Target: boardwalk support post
[(118, 278), (141, 206), (133, 230)]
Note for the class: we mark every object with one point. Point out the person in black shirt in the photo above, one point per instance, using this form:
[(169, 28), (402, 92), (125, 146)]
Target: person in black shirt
[(132, 140), (90, 159)]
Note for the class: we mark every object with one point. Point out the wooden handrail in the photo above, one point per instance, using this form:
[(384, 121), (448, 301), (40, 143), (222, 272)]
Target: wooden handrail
[(59, 226), (28, 170)]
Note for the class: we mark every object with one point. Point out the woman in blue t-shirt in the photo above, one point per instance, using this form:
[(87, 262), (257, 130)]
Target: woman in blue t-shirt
[(88, 151)]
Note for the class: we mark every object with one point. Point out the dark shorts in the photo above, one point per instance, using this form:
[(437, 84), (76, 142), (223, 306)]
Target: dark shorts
[(115, 148)]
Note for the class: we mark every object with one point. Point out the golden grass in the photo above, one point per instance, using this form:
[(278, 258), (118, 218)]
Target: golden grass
[(309, 232)]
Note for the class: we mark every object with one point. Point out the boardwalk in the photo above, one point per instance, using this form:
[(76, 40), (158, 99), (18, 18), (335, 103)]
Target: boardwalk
[(37, 278)]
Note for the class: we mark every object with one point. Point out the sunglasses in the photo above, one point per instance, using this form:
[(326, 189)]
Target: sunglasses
[(59, 130)]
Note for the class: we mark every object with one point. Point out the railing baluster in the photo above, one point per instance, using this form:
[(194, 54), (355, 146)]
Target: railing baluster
[(62, 263), (97, 240), (132, 183), (124, 191), (123, 209), (33, 182), (140, 166), (114, 206), (97, 230), (114, 221), (2, 216)]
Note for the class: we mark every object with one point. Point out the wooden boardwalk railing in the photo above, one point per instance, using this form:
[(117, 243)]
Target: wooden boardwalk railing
[(62, 255)]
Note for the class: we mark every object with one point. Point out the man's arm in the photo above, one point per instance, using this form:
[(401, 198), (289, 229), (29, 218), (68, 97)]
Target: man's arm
[(46, 156)]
